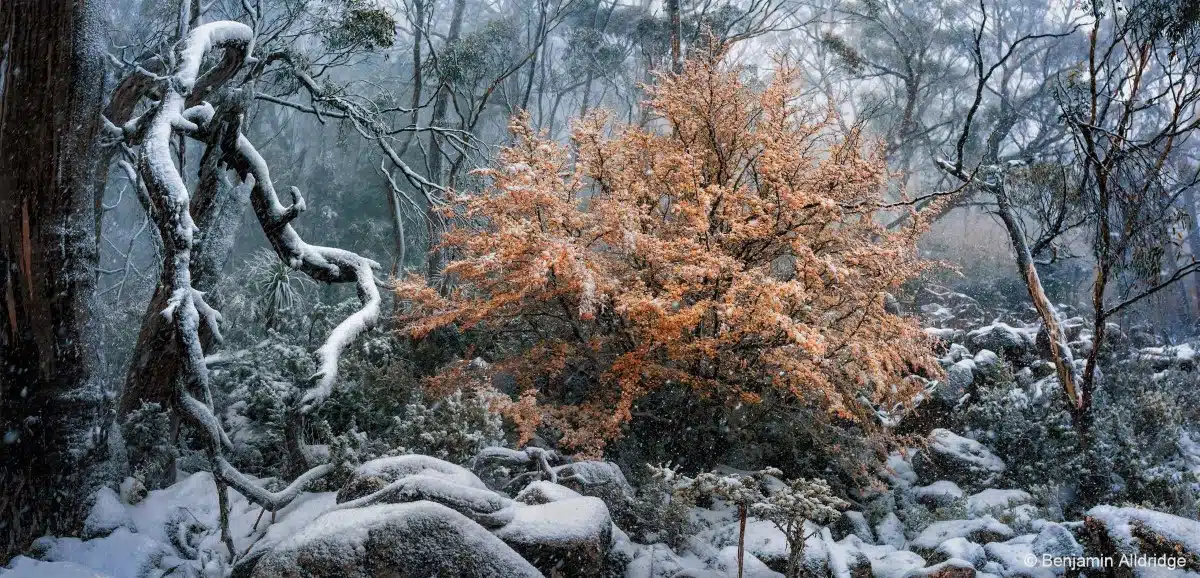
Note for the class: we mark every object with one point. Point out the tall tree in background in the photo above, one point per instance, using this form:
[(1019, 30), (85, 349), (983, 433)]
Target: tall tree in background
[(50, 93)]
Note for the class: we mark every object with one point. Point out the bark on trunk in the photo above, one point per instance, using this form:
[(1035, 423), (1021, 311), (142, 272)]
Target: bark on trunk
[(50, 100), (435, 259), (156, 359), (676, 32), (1060, 353)]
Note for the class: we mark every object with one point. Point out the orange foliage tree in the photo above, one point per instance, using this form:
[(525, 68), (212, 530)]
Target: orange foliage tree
[(729, 248)]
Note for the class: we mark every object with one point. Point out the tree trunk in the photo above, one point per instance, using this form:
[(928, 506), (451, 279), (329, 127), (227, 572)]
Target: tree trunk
[(50, 100), (434, 260), (1060, 352), (676, 33), (155, 362), (1189, 198)]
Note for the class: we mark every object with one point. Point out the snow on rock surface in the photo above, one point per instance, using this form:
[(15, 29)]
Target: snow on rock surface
[(1002, 338), (896, 565), (568, 537), (959, 377), (1017, 558), (890, 531), (899, 471), (375, 474), (938, 494), (1114, 531), (24, 567), (958, 459), (979, 530), (962, 549), (543, 492), (120, 554), (993, 501), (481, 505), (853, 523), (752, 567), (416, 539), (108, 514), (952, 568), (1054, 540)]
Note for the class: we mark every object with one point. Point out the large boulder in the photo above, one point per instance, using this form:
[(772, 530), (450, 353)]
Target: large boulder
[(1163, 539), (1012, 342), (1055, 541), (994, 502), (896, 564), (569, 537), (1016, 557), (958, 459), (374, 475), (939, 494), (890, 531), (959, 377), (414, 540), (978, 530), (484, 506), (107, 514), (962, 549), (854, 523)]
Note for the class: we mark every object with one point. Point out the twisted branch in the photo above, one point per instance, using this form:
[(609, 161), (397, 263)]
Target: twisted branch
[(187, 308)]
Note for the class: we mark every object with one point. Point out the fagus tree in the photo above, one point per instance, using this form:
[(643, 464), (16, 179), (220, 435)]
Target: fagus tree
[(729, 248)]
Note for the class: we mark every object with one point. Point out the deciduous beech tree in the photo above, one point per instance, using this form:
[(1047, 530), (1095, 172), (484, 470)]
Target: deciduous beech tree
[(729, 248)]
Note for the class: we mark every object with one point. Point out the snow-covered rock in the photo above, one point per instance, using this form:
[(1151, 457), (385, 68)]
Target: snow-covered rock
[(1017, 558), (375, 474), (1116, 532), (1182, 355), (543, 492), (956, 458), (1055, 541), (978, 530), (853, 523), (986, 360), (952, 568), (846, 559), (1002, 338), (413, 539), (571, 535), (25, 567), (946, 334), (752, 567), (959, 377), (938, 494), (481, 505), (119, 554), (896, 564), (107, 514), (593, 474), (993, 501), (890, 531), (962, 549), (898, 471)]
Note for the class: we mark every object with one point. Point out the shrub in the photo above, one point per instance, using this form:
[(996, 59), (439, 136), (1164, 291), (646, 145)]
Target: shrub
[(731, 254)]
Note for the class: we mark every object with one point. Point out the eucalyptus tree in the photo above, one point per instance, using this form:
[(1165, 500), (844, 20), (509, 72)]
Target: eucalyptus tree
[(50, 78)]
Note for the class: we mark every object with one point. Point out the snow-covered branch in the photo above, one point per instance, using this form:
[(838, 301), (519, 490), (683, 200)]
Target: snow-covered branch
[(176, 113)]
